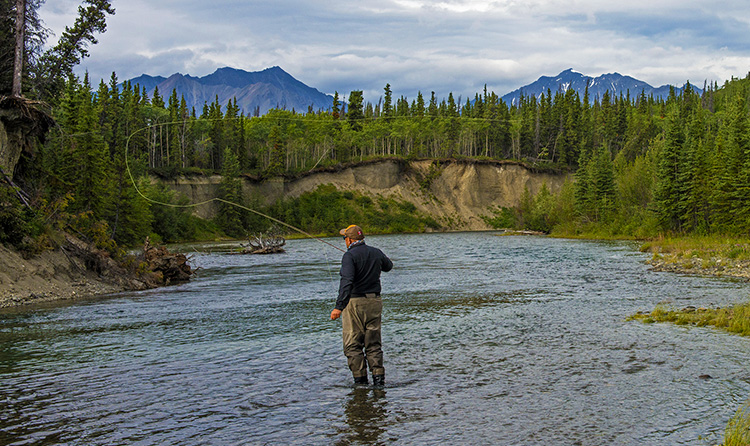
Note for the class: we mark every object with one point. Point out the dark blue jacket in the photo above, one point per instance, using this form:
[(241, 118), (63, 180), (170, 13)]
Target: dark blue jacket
[(360, 272)]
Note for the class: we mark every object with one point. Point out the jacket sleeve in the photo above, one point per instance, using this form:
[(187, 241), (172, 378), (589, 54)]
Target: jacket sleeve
[(347, 280), (385, 264)]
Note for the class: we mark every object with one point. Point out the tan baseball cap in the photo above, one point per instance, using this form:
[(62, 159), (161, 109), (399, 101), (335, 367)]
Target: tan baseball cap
[(354, 232)]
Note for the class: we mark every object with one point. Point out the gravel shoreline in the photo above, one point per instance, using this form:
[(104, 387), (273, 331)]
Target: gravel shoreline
[(716, 266), (51, 276)]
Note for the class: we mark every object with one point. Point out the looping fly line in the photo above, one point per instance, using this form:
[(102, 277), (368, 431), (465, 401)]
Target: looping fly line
[(216, 199)]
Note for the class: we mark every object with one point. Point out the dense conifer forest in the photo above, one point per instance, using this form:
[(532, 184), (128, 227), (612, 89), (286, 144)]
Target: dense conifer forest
[(642, 166)]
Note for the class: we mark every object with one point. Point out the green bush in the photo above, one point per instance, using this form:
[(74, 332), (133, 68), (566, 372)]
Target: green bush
[(326, 209), (13, 226), (176, 223), (20, 226), (501, 218)]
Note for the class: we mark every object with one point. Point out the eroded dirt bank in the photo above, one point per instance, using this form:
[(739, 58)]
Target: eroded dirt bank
[(77, 269), (456, 193), (51, 276)]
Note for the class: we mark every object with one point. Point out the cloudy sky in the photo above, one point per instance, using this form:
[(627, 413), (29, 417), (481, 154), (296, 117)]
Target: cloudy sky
[(421, 45)]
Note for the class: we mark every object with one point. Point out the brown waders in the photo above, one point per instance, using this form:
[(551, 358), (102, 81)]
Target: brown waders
[(361, 331)]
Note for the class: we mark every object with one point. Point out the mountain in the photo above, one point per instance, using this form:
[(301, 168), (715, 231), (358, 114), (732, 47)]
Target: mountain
[(256, 92), (147, 82), (614, 82)]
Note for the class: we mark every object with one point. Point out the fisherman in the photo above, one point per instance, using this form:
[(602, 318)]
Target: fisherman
[(359, 305)]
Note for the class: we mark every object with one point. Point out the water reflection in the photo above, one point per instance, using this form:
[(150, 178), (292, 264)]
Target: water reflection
[(366, 415)]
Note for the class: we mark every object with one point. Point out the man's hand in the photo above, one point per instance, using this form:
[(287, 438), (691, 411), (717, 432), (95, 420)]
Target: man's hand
[(335, 314)]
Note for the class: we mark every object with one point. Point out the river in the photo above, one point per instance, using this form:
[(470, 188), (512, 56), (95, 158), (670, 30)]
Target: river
[(487, 340)]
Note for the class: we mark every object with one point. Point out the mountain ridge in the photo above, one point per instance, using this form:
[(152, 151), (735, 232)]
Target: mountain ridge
[(256, 92), (615, 83)]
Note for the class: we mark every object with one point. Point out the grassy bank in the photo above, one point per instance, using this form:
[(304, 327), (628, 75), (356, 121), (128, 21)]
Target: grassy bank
[(737, 432), (707, 255), (735, 319), (715, 255), (703, 247)]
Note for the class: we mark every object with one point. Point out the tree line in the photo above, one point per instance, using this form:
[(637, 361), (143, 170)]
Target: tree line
[(642, 165), (681, 166), (662, 158)]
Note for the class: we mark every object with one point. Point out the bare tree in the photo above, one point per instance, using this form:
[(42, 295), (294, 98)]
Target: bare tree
[(45, 71), (20, 40)]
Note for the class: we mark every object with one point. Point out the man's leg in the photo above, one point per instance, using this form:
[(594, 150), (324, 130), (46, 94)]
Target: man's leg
[(353, 330), (372, 340)]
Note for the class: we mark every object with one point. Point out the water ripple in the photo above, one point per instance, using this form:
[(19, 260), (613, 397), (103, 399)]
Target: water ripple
[(488, 340)]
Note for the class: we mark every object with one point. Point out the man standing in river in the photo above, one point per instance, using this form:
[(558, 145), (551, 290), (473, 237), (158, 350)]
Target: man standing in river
[(359, 305)]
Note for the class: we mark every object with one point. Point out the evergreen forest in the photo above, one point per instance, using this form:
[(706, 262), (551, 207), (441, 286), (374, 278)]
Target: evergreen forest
[(642, 165)]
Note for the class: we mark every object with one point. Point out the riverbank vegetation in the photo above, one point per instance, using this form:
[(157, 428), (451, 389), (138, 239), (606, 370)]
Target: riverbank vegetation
[(643, 166), (718, 255), (326, 210), (737, 432), (735, 319)]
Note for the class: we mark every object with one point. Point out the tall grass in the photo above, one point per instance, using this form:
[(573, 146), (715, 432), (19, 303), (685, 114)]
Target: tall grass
[(702, 246), (735, 319), (737, 432)]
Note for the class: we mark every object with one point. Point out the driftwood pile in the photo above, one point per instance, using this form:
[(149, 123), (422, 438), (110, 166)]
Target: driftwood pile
[(169, 267), (264, 244)]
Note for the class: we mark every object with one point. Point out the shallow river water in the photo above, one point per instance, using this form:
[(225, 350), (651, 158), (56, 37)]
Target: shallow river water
[(487, 340)]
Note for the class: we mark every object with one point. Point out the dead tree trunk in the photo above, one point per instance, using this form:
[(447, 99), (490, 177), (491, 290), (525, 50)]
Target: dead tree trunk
[(20, 37), (260, 244)]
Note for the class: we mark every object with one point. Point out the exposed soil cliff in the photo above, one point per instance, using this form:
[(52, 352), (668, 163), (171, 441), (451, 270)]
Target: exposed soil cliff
[(455, 193), (22, 127)]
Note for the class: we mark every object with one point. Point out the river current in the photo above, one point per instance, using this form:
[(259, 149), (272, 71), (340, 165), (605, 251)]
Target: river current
[(487, 340)]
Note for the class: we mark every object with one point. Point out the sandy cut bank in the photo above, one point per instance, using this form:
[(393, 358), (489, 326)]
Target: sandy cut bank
[(51, 276), (77, 270)]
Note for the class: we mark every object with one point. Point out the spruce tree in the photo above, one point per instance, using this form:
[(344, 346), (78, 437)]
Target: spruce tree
[(230, 217), (731, 197), (418, 109), (355, 114), (668, 188), (336, 107), (90, 186), (277, 152), (388, 102)]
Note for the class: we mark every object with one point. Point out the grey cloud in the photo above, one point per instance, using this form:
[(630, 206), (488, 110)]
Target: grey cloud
[(683, 28), (344, 45), (133, 65)]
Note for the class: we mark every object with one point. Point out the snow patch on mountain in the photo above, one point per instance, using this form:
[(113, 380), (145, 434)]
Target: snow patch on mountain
[(615, 83)]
